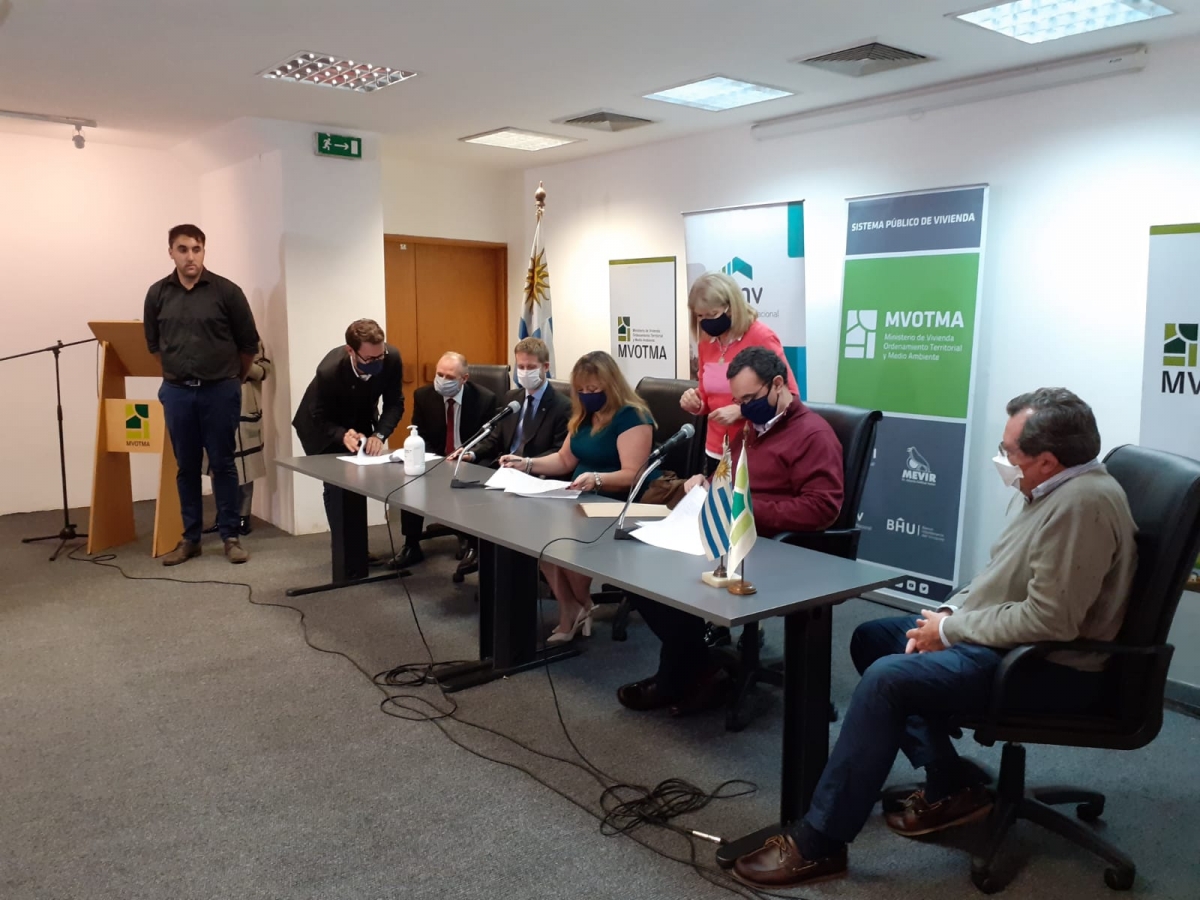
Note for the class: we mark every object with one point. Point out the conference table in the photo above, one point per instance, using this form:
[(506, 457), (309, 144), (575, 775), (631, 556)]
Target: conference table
[(801, 585)]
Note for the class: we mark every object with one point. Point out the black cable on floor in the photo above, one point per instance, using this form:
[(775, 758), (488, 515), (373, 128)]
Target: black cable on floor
[(643, 806)]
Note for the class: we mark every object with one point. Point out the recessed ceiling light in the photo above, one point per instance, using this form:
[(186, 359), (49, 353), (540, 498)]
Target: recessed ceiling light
[(516, 139), (324, 70), (1035, 21), (717, 93)]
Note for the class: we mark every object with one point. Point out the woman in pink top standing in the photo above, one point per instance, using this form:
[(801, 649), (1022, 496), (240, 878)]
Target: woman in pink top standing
[(723, 324)]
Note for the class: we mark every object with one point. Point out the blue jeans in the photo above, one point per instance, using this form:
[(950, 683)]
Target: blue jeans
[(199, 419), (902, 704)]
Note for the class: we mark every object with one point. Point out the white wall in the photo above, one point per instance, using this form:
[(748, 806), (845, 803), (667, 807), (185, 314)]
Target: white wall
[(83, 234), (1077, 175), (427, 199)]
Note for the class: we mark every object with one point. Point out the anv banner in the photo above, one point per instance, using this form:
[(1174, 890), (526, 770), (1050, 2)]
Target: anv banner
[(909, 306), (762, 248)]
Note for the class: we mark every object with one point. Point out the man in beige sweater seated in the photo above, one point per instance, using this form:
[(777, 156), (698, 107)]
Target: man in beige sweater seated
[(1061, 570)]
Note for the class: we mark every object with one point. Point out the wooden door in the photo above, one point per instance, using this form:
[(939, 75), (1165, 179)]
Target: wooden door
[(444, 295)]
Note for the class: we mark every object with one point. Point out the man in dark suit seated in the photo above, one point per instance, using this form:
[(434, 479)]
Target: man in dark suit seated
[(1060, 571), (340, 408), (541, 426), (447, 414), (796, 483)]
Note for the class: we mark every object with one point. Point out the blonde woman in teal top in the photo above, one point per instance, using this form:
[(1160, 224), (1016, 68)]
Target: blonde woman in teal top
[(609, 438)]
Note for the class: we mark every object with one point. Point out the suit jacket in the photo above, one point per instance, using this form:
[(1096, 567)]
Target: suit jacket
[(429, 414), (337, 400), (549, 428)]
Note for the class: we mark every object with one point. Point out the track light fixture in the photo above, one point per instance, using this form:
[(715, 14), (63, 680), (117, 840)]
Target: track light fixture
[(77, 140)]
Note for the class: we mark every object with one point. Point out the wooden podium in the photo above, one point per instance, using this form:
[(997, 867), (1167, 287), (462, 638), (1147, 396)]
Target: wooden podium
[(125, 426)]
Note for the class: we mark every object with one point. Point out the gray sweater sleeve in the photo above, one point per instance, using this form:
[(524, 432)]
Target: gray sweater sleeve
[(1070, 556)]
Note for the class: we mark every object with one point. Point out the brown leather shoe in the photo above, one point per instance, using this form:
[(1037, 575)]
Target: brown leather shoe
[(779, 863), (234, 552), (919, 816), (183, 551), (645, 695)]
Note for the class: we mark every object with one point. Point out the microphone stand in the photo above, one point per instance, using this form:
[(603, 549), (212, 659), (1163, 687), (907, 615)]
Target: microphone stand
[(626, 534), (68, 532), (454, 482)]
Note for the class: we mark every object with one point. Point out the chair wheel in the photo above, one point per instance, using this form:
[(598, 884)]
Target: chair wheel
[(1119, 879), (1090, 812), (985, 881)]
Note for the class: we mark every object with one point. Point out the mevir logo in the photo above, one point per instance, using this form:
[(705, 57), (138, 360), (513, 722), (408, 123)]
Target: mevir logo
[(1180, 352), (860, 333), (137, 424), (917, 469)]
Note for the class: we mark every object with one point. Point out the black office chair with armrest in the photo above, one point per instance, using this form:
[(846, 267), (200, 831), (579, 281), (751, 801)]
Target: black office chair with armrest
[(855, 430), (1164, 496), (563, 387), (497, 379), (661, 396)]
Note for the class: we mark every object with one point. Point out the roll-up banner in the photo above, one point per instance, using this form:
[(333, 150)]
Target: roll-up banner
[(641, 296), (762, 249), (910, 302)]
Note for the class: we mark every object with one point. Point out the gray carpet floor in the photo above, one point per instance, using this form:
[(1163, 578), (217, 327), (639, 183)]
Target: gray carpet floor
[(164, 740)]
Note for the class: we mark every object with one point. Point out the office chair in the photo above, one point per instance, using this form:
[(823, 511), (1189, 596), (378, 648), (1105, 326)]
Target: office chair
[(1164, 495), (497, 379), (855, 430), (661, 395)]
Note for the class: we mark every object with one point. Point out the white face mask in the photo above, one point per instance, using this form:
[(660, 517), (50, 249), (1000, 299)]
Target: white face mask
[(447, 387), (1009, 473), (530, 379)]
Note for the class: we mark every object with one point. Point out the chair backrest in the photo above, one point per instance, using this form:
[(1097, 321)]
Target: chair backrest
[(496, 379), (662, 396), (1164, 496), (855, 430), (563, 387)]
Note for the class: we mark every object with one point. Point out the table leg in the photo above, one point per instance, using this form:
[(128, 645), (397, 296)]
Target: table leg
[(806, 683), (508, 621), (347, 543)]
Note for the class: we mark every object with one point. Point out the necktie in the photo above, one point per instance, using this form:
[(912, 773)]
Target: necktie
[(525, 432), (449, 427)]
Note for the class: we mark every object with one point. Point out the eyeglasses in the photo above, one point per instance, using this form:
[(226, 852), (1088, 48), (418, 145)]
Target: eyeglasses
[(367, 361), (757, 396)]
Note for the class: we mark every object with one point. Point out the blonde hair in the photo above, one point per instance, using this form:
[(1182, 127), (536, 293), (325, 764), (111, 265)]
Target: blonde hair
[(603, 368), (533, 346), (716, 290)]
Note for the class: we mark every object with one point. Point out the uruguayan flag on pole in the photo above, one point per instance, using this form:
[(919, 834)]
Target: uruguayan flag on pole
[(742, 533), (716, 517), (536, 318)]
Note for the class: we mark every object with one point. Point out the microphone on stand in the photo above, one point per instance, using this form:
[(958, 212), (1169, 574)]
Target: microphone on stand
[(512, 407), (653, 462)]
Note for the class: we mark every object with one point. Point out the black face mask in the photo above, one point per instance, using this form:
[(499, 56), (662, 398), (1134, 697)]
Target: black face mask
[(718, 326)]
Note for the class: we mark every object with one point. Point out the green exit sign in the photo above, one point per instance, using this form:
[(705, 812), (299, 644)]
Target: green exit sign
[(339, 145)]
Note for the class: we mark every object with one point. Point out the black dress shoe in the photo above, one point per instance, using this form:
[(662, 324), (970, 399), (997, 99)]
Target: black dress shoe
[(645, 695), (212, 529), (244, 525), (717, 636), (409, 555)]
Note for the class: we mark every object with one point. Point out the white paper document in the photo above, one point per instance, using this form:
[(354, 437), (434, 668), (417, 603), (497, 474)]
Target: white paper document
[(514, 481), (680, 531), (362, 459)]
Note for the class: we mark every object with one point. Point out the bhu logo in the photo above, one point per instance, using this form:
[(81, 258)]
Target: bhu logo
[(917, 470), (860, 333), (902, 527)]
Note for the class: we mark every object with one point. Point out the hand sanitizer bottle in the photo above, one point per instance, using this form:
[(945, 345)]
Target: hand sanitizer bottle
[(414, 452)]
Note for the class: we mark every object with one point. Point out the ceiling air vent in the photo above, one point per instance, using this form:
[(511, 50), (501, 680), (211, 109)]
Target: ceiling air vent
[(866, 59), (605, 120)]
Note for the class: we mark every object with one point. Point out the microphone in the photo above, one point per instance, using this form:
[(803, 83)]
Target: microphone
[(514, 406), (483, 432), (683, 434)]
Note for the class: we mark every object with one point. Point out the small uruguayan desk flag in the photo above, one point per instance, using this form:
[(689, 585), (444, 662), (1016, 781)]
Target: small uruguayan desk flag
[(717, 515)]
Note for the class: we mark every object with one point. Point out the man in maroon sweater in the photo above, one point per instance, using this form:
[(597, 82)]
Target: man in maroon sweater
[(795, 485)]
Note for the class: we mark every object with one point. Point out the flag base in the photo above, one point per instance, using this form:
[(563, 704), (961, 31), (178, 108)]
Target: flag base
[(742, 588), (712, 579)]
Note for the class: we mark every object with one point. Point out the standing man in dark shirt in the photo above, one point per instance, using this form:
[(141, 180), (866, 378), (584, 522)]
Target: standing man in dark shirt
[(200, 327), (340, 408)]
